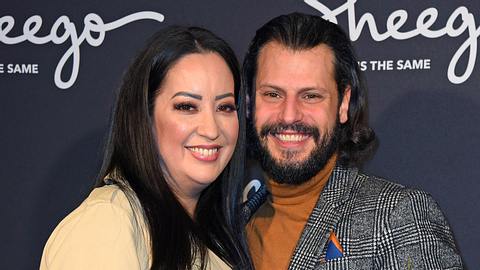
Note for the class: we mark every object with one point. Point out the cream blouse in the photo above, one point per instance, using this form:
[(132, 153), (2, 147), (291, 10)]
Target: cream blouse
[(103, 233)]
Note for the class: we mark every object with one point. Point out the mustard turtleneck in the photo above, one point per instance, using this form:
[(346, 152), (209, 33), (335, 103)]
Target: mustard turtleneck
[(275, 229)]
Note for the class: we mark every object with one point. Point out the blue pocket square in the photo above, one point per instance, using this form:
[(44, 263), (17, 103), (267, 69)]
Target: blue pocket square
[(334, 249)]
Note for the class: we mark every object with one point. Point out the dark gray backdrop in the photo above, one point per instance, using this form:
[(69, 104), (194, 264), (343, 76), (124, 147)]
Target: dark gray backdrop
[(51, 139)]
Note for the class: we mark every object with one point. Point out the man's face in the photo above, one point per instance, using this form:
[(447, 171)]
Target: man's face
[(297, 111)]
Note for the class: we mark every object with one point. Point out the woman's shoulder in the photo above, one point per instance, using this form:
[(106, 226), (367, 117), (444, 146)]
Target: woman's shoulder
[(106, 205), (109, 195), (103, 226)]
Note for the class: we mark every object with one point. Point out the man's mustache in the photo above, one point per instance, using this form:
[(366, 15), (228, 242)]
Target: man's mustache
[(275, 128)]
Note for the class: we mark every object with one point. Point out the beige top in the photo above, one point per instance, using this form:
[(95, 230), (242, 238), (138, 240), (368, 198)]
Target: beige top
[(103, 233)]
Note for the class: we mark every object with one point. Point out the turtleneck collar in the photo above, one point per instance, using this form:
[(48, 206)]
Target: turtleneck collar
[(285, 194)]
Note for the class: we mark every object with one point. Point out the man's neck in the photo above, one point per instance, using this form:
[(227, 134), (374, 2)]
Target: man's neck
[(293, 194)]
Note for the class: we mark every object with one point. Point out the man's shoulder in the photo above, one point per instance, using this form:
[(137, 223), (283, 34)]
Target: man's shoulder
[(362, 192), (369, 187), (390, 200), (400, 222)]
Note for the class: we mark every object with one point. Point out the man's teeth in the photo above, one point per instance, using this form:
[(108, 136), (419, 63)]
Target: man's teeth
[(291, 137), (204, 152)]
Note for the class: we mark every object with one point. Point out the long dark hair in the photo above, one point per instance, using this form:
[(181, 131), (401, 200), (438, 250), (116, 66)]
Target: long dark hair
[(299, 31), (131, 154)]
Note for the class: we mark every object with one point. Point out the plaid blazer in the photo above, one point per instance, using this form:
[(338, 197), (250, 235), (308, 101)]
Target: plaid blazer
[(379, 224)]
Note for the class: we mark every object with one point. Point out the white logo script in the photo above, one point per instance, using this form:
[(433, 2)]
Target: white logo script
[(93, 24), (423, 27)]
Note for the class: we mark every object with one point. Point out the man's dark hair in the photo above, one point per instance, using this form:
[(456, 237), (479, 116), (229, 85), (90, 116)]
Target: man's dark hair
[(298, 31)]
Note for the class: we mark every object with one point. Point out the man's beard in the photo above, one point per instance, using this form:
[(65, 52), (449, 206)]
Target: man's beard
[(294, 172)]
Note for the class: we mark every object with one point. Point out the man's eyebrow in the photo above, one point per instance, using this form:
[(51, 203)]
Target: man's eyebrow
[(224, 96), (306, 89), (275, 87), (301, 90), (187, 94)]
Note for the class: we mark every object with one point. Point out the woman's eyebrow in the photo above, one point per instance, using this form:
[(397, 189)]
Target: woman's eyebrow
[(187, 94), (224, 96)]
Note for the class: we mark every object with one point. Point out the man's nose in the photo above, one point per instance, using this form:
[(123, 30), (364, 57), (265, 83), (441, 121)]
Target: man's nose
[(291, 111), (208, 126)]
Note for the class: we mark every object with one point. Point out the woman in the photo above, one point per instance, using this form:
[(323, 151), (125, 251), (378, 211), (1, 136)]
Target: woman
[(168, 192)]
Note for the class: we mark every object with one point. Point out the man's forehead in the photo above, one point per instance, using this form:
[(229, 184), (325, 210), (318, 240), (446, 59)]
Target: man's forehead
[(274, 47), (281, 66)]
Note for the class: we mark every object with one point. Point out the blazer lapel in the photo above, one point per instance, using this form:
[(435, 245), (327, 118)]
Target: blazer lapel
[(323, 219)]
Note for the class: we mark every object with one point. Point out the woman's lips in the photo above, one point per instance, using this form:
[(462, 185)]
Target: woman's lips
[(205, 152)]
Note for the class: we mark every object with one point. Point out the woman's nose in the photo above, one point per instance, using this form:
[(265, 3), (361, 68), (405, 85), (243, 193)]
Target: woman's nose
[(208, 126)]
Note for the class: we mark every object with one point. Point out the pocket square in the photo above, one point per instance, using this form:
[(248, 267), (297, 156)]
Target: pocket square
[(334, 249)]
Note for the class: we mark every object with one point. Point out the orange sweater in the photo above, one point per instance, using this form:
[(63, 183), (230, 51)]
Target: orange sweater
[(276, 227)]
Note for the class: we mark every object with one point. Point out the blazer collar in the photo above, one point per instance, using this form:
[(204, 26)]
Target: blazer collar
[(323, 218), (339, 186)]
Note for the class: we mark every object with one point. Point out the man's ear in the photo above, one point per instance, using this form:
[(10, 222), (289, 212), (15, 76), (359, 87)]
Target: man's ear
[(344, 105)]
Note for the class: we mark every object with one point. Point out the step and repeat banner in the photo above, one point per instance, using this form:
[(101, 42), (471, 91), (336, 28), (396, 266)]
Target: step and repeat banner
[(62, 61)]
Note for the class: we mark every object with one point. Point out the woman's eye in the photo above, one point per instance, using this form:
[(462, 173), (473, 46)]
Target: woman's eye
[(227, 108), (185, 107)]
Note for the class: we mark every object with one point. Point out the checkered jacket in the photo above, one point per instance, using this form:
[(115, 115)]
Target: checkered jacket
[(379, 224)]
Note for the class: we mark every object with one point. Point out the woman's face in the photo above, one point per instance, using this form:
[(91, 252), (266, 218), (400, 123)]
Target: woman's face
[(195, 122)]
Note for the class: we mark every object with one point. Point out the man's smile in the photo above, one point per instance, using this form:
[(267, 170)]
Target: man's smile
[(289, 139)]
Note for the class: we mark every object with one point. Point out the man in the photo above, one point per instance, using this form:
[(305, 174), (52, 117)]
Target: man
[(309, 133)]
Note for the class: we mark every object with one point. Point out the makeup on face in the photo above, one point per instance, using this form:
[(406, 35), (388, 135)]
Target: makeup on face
[(195, 122)]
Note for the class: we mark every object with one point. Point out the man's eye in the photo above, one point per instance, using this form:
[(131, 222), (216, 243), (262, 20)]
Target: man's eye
[(271, 94), (185, 107), (228, 108), (312, 97)]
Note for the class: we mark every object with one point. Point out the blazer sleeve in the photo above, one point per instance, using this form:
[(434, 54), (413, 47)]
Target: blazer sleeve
[(417, 236), (94, 236)]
